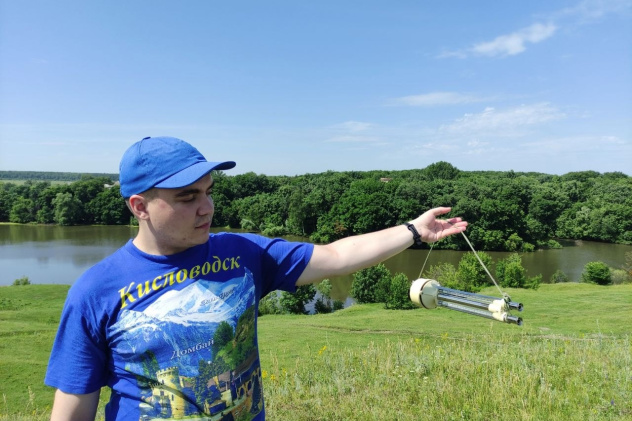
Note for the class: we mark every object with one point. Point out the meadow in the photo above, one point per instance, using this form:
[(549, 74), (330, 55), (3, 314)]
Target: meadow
[(571, 360)]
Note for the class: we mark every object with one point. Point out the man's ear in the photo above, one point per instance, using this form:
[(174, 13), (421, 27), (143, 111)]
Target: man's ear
[(138, 206)]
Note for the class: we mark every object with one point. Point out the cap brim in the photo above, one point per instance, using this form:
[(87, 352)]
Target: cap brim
[(192, 174)]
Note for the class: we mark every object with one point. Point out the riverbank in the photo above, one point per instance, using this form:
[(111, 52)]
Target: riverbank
[(570, 360)]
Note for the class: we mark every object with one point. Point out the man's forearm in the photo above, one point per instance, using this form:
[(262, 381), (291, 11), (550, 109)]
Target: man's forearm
[(358, 252), (351, 254)]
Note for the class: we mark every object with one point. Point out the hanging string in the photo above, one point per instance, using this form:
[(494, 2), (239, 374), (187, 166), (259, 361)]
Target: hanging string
[(475, 254), (483, 264), (424, 265)]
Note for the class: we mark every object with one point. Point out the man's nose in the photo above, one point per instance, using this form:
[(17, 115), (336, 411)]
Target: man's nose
[(207, 206)]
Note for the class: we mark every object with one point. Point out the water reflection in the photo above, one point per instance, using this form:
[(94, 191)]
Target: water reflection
[(54, 254)]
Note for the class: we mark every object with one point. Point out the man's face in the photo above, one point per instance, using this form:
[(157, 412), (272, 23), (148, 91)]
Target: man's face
[(181, 218)]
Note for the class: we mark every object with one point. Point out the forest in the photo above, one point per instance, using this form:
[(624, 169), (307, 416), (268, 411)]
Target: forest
[(507, 211)]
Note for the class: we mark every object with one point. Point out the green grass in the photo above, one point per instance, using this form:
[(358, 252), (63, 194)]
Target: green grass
[(572, 359)]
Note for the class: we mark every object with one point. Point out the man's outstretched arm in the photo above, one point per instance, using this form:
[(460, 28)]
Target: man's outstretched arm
[(361, 251)]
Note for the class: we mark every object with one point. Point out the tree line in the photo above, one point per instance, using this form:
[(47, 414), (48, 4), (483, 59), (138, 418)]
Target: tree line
[(507, 211), (51, 176)]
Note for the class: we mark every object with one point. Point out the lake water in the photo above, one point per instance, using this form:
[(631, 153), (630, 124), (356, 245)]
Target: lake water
[(58, 255)]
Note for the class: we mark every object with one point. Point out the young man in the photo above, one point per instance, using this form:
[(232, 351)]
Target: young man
[(168, 321)]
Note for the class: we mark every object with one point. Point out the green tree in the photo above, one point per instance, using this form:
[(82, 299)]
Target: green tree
[(109, 208), (365, 207), (398, 296), (323, 304), (627, 266), (559, 277), (6, 202), (45, 207), (446, 274), (295, 303), (371, 285), (270, 304), (510, 273), (67, 209), (84, 191), (596, 272), (471, 274), (547, 203), (22, 211), (442, 170)]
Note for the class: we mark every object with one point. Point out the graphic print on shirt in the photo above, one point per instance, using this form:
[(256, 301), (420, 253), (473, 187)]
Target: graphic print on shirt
[(193, 352)]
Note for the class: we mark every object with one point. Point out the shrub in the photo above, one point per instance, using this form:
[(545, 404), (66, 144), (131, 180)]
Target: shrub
[(322, 307), (620, 276), (596, 272), (471, 274), (513, 243), (295, 303), (552, 244), (533, 282), (446, 275), (248, 225), (628, 263), (371, 284), (510, 273), (559, 277), (398, 297), (270, 304), (338, 305), (323, 304), (22, 281), (274, 231), (528, 247)]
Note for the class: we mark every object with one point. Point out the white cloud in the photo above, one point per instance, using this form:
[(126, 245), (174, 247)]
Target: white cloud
[(353, 126), (515, 43), (353, 132), (508, 122), (436, 98), (476, 143), (584, 12), (579, 144), (353, 139), (592, 10)]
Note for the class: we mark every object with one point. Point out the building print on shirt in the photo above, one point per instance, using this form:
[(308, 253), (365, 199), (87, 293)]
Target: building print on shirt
[(193, 352)]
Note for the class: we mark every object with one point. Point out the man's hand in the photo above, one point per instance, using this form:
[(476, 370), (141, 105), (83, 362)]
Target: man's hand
[(432, 229)]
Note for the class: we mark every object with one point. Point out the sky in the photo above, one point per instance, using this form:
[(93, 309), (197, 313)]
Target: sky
[(293, 87)]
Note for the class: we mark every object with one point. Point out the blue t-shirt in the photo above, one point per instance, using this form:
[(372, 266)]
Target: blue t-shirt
[(174, 336)]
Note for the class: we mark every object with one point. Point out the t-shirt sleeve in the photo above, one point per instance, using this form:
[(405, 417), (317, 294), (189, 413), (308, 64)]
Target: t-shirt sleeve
[(78, 360), (283, 264)]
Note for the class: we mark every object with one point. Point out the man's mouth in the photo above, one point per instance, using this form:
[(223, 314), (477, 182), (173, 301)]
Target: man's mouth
[(205, 224)]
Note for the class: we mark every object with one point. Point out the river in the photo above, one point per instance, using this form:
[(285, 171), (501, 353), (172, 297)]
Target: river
[(58, 255)]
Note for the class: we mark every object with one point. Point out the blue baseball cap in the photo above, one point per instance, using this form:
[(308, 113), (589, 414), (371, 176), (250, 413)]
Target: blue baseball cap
[(163, 162)]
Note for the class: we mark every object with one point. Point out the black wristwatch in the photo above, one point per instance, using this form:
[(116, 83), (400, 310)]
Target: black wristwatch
[(416, 236)]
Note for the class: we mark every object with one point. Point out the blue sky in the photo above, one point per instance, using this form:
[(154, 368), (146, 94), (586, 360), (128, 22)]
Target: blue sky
[(289, 87)]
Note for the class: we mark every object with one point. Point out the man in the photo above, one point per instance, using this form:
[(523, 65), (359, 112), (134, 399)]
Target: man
[(168, 321)]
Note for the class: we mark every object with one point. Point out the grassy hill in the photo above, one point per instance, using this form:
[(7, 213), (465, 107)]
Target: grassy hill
[(572, 359)]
